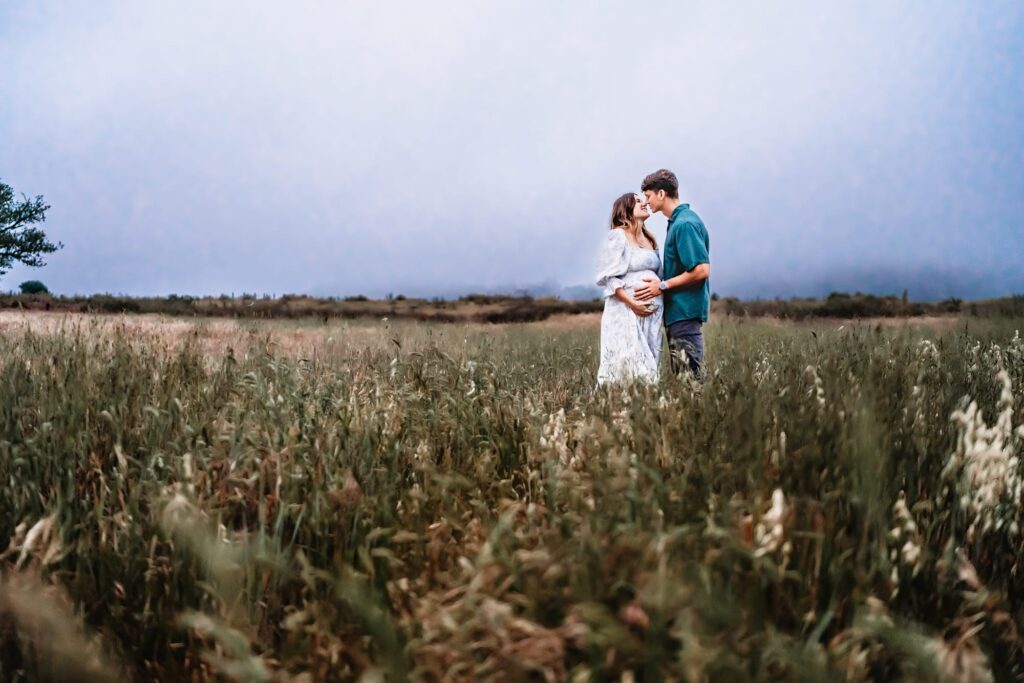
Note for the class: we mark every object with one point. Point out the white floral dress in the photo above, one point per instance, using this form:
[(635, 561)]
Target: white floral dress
[(630, 345)]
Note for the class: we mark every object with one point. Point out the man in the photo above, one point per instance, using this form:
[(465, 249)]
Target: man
[(686, 288)]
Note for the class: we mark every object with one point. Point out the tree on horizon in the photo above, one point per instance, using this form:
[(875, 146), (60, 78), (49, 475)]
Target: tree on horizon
[(33, 287), (20, 239)]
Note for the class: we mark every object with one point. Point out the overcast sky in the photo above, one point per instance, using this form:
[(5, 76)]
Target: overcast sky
[(371, 147)]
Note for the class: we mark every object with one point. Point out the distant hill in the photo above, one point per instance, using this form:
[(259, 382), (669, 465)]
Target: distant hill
[(923, 284)]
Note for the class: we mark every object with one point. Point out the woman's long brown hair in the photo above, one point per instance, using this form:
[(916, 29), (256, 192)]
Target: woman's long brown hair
[(622, 217)]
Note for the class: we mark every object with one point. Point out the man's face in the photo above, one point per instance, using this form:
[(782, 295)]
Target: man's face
[(654, 199)]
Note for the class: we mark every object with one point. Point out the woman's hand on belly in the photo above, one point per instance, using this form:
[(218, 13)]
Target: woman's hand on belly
[(641, 309)]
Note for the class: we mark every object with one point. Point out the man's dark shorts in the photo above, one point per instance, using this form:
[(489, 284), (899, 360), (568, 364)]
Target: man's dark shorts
[(686, 346)]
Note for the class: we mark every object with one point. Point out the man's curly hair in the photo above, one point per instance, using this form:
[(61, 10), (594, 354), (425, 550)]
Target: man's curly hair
[(662, 179)]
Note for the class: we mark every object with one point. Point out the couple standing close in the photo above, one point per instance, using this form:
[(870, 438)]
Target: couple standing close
[(638, 301)]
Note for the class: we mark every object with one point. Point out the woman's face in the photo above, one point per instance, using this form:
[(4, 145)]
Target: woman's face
[(640, 211)]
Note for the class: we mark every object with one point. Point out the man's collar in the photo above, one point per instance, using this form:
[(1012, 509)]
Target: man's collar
[(675, 211)]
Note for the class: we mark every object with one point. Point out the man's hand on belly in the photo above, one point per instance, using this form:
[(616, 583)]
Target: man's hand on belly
[(649, 290)]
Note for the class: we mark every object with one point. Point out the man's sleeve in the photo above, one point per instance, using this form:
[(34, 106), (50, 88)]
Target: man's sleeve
[(690, 247)]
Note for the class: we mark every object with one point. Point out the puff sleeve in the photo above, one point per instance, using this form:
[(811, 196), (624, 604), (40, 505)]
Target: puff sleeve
[(613, 262)]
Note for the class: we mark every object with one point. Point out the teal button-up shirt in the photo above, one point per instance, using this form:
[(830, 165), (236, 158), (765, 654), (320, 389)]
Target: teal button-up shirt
[(686, 246)]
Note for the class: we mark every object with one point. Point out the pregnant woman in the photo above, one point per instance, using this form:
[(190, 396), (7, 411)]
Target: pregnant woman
[(630, 329)]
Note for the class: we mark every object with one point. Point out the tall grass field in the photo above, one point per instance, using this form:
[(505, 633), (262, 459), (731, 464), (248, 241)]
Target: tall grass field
[(380, 501)]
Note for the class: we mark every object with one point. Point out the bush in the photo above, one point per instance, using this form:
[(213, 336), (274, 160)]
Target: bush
[(951, 305), (33, 287)]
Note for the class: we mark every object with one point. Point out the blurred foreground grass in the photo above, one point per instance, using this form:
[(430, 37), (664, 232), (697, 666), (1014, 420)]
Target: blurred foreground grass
[(299, 501)]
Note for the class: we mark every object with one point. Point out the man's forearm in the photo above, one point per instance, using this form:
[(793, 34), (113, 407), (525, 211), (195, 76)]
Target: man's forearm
[(695, 276)]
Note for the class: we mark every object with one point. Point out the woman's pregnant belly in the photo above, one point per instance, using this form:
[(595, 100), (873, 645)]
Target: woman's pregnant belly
[(634, 279)]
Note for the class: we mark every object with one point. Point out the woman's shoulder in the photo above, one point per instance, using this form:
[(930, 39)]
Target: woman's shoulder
[(616, 236)]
